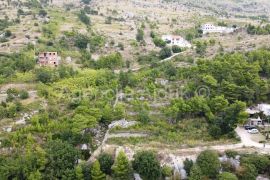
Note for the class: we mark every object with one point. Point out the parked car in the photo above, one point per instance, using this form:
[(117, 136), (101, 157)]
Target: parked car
[(248, 127), (253, 131)]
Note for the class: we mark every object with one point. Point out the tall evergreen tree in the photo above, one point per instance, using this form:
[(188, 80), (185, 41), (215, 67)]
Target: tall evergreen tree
[(96, 173), (121, 168), (79, 173)]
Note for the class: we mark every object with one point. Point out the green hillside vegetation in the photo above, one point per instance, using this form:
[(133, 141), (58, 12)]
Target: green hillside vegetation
[(52, 119)]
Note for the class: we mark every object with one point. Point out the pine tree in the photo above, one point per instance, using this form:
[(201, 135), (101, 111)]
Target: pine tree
[(121, 168), (79, 173), (35, 176), (96, 173)]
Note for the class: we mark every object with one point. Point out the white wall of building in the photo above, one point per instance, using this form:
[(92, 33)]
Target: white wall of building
[(210, 28), (176, 40)]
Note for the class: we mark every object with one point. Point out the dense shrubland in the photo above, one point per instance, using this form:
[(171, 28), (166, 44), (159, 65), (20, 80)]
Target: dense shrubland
[(48, 164), (229, 83), (215, 91)]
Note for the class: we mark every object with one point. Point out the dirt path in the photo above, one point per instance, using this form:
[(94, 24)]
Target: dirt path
[(246, 142), (171, 57), (99, 150), (139, 68)]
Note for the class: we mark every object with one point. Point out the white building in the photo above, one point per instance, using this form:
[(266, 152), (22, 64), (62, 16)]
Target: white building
[(265, 108), (210, 28), (255, 121), (176, 40)]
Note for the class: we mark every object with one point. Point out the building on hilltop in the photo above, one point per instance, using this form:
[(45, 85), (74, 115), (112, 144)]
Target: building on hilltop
[(176, 40), (48, 59), (210, 28)]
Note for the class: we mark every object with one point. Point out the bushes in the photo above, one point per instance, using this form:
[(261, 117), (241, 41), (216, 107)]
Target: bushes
[(84, 18), (258, 30), (231, 153), (14, 94), (86, 1), (176, 49), (166, 171), (25, 63), (108, 20), (8, 33), (42, 13), (209, 163), (106, 161), (215, 131), (23, 94), (222, 23), (260, 162), (159, 42), (4, 23), (227, 166), (165, 53), (227, 176), (10, 110), (47, 75), (152, 34), (121, 46), (61, 157), (196, 173), (188, 163), (22, 62), (208, 166), (44, 75), (95, 41), (143, 117), (146, 164), (111, 61), (247, 172), (201, 47), (149, 58), (140, 35)]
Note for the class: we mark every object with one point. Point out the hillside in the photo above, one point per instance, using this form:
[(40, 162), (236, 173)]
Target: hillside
[(124, 89)]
